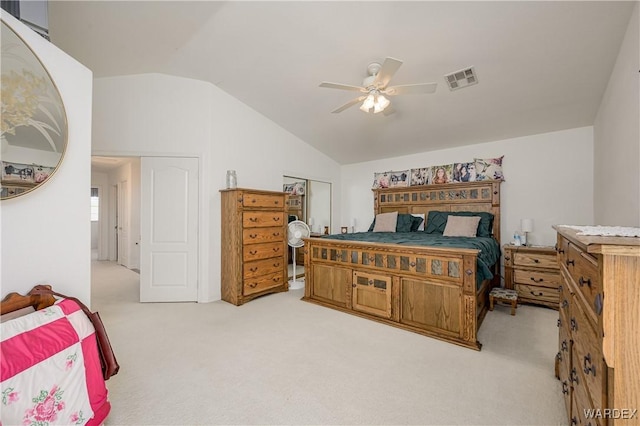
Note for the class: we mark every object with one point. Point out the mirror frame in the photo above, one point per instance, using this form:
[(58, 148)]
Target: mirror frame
[(23, 176), (295, 176)]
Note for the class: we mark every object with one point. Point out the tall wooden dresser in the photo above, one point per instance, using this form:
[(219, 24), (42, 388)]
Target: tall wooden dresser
[(598, 360), (254, 244)]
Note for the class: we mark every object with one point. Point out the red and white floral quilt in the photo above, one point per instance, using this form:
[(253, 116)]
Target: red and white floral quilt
[(50, 370)]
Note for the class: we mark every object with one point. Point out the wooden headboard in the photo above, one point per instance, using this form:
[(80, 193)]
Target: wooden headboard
[(14, 301), (452, 197)]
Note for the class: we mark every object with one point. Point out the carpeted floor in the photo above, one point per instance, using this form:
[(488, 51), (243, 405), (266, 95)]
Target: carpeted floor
[(278, 360)]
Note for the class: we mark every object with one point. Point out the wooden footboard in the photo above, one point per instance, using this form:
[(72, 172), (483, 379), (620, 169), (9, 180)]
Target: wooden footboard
[(427, 290)]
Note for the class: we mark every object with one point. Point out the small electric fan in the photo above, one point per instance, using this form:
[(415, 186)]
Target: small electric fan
[(296, 231)]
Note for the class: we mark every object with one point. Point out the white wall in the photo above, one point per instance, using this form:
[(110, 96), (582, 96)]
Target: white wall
[(46, 233), (617, 138), (548, 178), (160, 114)]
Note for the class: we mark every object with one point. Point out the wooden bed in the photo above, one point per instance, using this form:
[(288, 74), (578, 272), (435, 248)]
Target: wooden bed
[(427, 290)]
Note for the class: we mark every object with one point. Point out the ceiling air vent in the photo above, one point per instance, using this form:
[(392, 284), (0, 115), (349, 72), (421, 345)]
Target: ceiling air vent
[(463, 78)]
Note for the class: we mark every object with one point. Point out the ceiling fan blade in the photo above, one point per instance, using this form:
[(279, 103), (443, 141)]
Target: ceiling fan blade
[(342, 86), (349, 104), (409, 89), (388, 69)]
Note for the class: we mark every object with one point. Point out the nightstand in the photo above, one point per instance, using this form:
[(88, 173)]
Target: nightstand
[(533, 272)]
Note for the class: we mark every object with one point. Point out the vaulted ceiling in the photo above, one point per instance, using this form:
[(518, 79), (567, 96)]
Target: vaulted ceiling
[(541, 66)]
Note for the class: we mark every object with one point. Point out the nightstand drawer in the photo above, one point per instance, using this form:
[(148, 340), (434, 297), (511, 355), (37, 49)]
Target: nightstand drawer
[(539, 260), (544, 294), (540, 279)]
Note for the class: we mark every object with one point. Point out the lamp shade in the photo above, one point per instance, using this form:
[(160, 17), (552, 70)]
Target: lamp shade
[(526, 225)]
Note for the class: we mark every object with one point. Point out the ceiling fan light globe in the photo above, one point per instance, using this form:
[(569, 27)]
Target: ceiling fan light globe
[(369, 102), (383, 102)]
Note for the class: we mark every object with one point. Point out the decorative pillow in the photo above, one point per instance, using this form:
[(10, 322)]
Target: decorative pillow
[(420, 176), (441, 174), (405, 223), (416, 223), (489, 168), (437, 220), (421, 217), (460, 226), (386, 222), (464, 172)]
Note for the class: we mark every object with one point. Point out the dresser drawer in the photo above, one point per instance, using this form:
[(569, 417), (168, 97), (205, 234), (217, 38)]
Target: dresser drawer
[(583, 269), (250, 199), (262, 235), (537, 278), (253, 219), (263, 267), (588, 355), (538, 293), (258, 284), (540, 260), (581, 400), (262, 251)]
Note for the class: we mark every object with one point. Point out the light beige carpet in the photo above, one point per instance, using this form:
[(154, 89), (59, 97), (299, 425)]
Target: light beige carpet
[(278, 360)]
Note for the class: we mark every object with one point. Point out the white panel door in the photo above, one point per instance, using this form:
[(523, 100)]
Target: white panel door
[(169, 229)]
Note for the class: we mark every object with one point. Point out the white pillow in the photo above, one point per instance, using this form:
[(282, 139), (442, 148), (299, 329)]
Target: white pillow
[(386, 222), (461, 226)]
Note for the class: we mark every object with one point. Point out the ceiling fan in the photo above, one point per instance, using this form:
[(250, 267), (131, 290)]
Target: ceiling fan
[(376, 86)]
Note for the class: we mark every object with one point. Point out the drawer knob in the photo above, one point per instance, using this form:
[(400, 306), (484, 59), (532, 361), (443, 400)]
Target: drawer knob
[(574, 324), (559, 323), (565, 390), (277, 202), (597, 304), (565, 303), (574, 420), (253, 252), (275, 234), (588, 366), (413, 264), (253, 219), (559, 356), (537, 280), (574, 376), (560, 288), (570, 262), (582, 282), (275, 279), (275, 265), (253, 200), (536, 261), (253, 235), (507, 258), (561, 251), (276, 249), (255, 268), (253, 285), (564, 346), (536, 294), (276, 219)]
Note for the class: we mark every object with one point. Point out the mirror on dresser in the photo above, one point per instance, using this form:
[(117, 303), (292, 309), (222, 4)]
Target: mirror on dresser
[(310, 202)]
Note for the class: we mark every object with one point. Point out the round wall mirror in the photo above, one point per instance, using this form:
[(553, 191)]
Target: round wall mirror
[(33, 130)]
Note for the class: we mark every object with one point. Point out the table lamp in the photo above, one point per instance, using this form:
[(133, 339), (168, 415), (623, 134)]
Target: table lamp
[(526, 225)]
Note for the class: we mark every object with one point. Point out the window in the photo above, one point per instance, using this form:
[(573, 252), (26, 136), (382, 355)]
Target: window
[(95, 204)]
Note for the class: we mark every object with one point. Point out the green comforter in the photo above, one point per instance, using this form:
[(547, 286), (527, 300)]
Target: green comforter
[(487, 257)]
